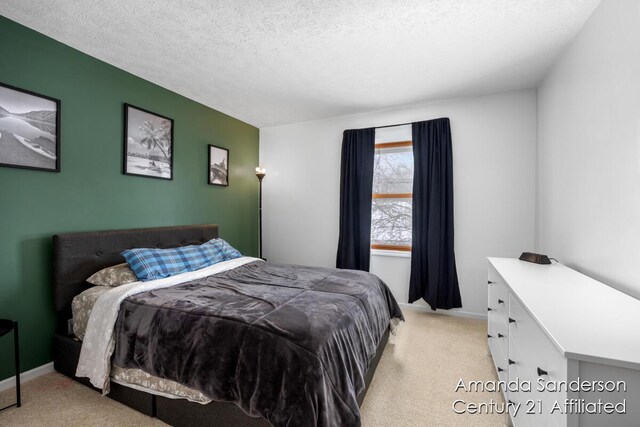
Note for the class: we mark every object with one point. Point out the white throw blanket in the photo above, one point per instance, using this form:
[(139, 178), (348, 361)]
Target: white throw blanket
[(99, 341)]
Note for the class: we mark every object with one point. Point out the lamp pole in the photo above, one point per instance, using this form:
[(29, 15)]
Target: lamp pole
[(260, 173)]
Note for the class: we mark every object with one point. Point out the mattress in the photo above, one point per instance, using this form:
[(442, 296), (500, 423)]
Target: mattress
[(135, 378)]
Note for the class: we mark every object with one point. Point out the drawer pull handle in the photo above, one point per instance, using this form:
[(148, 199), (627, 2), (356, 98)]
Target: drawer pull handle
[(511, 362), (490, 282), (489, 336), (500, 301), (542, 372), (489, 309), (500, 336), (500, 369), (512, 320)]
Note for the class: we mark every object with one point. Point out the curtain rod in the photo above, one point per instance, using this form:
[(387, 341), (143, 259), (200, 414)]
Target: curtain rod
[(409, 123), (390, 126)]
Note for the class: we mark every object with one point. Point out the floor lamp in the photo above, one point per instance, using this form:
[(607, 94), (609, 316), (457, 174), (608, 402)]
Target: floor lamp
[(260, 173)]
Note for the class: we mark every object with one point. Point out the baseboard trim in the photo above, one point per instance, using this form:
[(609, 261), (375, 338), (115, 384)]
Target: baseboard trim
[(454, 312), (10, 382)]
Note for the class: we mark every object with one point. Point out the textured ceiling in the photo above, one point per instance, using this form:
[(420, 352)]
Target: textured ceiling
[(271, 62)]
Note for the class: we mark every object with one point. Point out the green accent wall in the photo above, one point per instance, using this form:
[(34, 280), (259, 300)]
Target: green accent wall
[(90, 192)]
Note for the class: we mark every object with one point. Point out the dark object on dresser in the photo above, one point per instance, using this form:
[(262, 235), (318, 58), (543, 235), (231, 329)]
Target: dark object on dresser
[(78, 255), (535, 258), (7, 326)]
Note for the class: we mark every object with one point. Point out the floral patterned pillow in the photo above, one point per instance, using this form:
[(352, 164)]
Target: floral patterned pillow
[(117, 275)]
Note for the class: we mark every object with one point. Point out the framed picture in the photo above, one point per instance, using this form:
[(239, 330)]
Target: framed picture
[(29, 130), (218, 166), (148, 144)]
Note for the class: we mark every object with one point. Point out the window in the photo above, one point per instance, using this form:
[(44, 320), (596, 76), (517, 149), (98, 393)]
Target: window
[(392, 195)]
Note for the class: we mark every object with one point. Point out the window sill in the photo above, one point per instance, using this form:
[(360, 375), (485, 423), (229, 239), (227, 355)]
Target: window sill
[(399, 254)]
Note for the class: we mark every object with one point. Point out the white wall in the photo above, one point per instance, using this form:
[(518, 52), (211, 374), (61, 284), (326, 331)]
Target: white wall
[(494, 149), (589, 150)]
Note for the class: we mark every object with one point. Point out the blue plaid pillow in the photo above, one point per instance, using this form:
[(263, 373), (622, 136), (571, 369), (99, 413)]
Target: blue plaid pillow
[(152, 264)]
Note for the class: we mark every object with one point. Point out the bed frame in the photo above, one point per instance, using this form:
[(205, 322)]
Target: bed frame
[(77, 256)]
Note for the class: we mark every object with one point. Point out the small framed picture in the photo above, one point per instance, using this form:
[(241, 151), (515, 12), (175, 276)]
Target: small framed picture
[(148, 144), (29, 130), (218, 166)]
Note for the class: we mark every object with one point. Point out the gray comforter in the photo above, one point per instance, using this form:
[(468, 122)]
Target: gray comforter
[(288, 343)]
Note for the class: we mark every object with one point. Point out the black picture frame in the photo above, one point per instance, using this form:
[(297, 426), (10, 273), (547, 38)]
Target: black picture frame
[(218, 173), (34, 152), (153, 158)]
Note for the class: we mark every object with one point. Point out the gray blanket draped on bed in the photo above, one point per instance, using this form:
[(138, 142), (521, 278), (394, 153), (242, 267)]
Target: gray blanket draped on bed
[(288, 343)]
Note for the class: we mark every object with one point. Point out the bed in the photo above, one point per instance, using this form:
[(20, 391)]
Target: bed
[(270, 344)]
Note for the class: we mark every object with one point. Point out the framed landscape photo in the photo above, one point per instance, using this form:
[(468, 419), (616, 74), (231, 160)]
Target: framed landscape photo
[(148, 144), (29, 130), (218, 166)]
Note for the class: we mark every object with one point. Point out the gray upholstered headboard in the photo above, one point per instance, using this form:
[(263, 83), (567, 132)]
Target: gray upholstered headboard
[(76, 256)]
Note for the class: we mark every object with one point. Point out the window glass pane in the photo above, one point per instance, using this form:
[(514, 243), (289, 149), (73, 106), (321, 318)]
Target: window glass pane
[(393, 134), (393, 170), (393, 174), (391, 222)]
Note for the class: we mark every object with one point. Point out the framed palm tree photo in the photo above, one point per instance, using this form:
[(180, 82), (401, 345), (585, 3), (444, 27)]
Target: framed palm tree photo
[(148, 144)]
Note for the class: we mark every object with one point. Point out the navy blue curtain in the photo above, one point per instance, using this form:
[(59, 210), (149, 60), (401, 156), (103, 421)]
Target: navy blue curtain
[(433, 265), (356, 184)]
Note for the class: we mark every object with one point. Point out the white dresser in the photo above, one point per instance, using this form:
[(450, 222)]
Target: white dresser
[(551, 327)]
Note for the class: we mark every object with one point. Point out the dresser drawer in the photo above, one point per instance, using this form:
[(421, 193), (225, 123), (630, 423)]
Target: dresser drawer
[(536, 404), (498, 296), (536, 360), (499, 352), (497, 305), (526, 337), (499, 345), (497, 325)]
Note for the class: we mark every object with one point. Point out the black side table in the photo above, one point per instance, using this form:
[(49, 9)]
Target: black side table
[(7, 326)]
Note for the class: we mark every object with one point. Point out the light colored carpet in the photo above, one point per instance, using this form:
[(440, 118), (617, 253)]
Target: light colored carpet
[(416, 379), (413, 385)]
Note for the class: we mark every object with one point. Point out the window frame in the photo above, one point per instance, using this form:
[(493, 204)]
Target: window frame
[(385, 247)]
